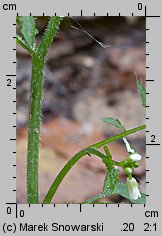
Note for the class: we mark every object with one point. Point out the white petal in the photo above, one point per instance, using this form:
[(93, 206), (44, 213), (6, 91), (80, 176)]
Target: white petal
[(135, 157), (133, 190), (136, 193), (129, 149)]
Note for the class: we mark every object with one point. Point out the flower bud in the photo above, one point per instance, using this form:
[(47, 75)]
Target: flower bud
[(135, 157), (128, 170), (133, 190)]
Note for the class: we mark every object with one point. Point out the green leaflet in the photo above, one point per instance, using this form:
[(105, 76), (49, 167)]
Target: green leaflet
[(110, 182), (142, 92), (114, 122), (26, 25)]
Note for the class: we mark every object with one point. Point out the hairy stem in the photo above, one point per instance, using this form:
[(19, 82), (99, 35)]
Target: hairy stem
[(34, 129), (35, 106)]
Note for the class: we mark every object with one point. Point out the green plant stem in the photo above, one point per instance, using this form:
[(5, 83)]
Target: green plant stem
[(35, 105), (34, 129), (118, 136), (80, 154)]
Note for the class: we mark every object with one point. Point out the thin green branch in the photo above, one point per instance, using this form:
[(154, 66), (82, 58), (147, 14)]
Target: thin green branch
[(48, 35), (80, 154), (118, 136), (67, 167)]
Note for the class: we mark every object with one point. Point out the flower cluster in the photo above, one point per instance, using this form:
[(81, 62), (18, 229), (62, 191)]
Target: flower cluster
[(133, 160)]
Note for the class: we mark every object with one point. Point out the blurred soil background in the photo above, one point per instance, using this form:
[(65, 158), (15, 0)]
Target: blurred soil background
[(83, 83)]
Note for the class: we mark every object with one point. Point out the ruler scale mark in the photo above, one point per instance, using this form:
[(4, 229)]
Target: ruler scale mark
[(145, 11), (16, 211), (11, 203), (153, 16), (153, 144), (8, 75)]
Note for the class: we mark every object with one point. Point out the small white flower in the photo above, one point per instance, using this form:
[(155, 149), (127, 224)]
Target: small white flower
[(128, 147), (133, 190), (135, 157)]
